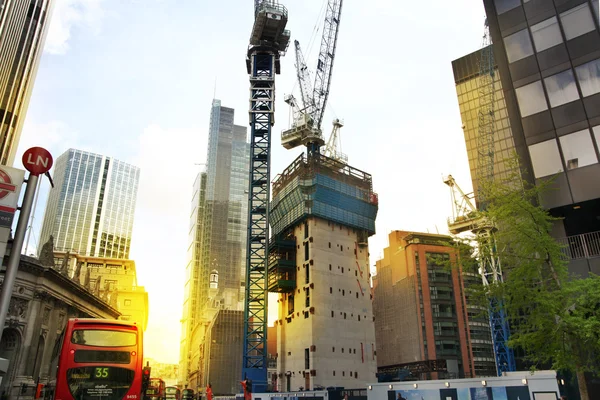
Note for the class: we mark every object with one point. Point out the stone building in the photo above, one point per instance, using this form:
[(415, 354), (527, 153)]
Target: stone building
[(112, 279), (44, 298)]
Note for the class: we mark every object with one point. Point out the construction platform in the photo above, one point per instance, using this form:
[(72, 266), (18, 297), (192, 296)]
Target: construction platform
[(322, 187)]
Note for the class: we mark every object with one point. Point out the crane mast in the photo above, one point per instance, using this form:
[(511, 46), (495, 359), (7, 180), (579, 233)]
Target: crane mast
[(326, 57), (304, 80), (306, 128), (268, 42), (467, 208)]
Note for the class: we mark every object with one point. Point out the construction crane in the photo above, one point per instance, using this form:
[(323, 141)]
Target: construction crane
[(306, 126), (269, 41), (466, 212)]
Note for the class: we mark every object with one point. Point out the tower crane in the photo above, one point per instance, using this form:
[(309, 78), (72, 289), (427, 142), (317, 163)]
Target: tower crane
[(269, 41), (466, 213), (308, 115)]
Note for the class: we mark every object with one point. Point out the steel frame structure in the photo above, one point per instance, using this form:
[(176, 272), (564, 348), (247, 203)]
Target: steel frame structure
[(268, 42)]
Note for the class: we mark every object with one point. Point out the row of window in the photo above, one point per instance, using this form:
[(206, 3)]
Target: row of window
[(345, 315), (343, 292), (577, 149), (561, 88), (575, 22), (503, 6), (344, 374)]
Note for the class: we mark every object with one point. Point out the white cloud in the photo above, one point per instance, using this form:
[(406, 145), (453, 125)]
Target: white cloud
[(55, 136), (166, 160), (68, 14)]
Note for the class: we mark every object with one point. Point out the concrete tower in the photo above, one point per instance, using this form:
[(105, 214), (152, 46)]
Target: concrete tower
[(322, 213)]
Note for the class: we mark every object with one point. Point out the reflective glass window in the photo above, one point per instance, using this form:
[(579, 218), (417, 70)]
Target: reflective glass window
[(596, 131), (531, 99), (589, 77), (577, 21), (578, 149), (546, 34), (561, 88), (518, 46), (545, 158), (503, 6), (596, 12)]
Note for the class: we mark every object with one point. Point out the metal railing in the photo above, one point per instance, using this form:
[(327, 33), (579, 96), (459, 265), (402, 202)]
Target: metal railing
[(586, 245)]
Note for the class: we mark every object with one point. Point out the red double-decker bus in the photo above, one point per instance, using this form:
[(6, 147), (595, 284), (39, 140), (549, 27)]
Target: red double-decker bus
[(173, 392), (99, 359), (156, 390)]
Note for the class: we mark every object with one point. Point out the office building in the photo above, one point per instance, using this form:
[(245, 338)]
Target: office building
[(548, 55), (22, 34), (113, 280), (90, 210), (467, 80), (216, 253), (423, 322), (322, 214)]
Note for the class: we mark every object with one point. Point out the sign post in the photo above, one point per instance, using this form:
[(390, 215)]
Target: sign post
[(37, 161)]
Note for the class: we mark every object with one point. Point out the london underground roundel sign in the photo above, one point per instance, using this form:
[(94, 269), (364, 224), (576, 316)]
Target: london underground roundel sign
[(37, 160)]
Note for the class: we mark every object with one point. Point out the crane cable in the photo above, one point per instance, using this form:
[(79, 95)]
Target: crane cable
[(311, 41)]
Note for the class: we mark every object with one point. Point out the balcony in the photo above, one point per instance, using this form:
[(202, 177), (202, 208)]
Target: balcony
[(584, 246)]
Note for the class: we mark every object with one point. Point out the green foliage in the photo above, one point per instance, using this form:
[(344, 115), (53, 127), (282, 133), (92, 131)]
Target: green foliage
[(554, 318)]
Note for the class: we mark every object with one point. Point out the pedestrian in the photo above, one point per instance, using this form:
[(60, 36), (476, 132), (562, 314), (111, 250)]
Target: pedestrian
[(209, 393)]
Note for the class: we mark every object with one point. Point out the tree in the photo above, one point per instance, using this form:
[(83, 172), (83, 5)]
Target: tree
[(554, 317)]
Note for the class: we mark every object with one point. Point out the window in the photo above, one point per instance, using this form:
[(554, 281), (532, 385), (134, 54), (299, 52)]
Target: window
[(545, 158), (596, 130), (306, 359), (578, 149), (127, 302), (503, 6), (561, 88), (518, 46), (577, 21), (596, 12), (546, 34), (531, 99), (104, 338), (588, 76)]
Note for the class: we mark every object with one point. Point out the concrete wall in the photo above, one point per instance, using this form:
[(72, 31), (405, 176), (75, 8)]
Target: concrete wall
[(337, 325)]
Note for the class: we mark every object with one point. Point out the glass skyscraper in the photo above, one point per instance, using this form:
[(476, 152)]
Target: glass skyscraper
[(217, 247), (91, 207), (466, 77), (548, 56), (22, 34)]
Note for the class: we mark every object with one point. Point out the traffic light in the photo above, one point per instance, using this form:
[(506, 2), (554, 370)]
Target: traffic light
[(145, 378)]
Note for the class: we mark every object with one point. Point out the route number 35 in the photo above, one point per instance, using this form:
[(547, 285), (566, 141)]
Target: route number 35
[(101, 373)]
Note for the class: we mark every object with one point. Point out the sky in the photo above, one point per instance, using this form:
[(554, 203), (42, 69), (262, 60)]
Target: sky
[(134, 80)]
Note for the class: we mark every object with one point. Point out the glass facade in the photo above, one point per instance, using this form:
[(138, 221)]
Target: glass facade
[(22, 35), (91, 208), (466, 73), (552, 91), (217, 232)]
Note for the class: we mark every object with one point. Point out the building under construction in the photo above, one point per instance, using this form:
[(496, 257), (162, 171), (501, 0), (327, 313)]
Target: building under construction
[(322, 213)]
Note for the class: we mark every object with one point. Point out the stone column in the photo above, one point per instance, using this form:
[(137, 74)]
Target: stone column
[(31, 335)]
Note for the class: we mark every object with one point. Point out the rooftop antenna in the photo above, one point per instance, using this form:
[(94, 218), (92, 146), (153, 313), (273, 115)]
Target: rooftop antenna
[(215, 89)]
